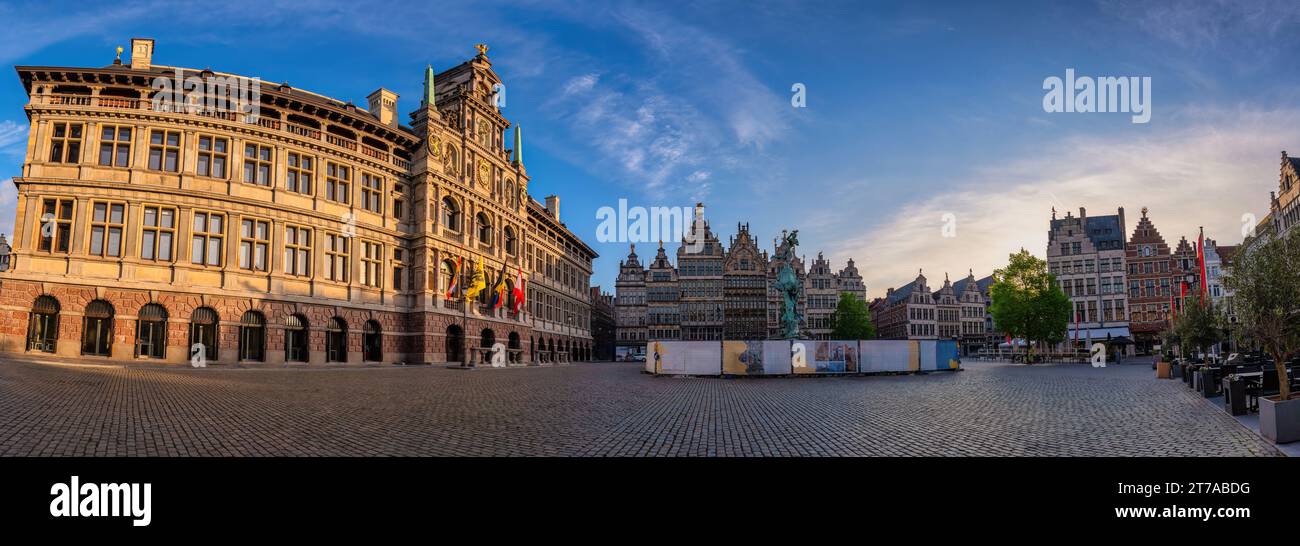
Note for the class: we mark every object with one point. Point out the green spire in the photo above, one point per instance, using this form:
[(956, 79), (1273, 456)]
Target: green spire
[(428, 87), (519, 147)]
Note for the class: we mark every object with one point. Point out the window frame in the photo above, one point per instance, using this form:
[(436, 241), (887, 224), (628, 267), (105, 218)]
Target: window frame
[(62, 226), (295, 172), (158, 230), (116, 145), (259, 163), (371, 264), (336, 257), (372, 192), (296, 251), (67, 142), (251, 243), (108, 226), (164, 148), (212, 154), (334, 182), (208, 236)]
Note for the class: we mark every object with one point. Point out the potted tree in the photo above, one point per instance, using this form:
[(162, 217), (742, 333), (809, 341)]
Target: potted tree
[(1265, 281)]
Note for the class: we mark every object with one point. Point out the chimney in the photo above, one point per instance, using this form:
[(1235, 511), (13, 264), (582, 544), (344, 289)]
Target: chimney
[(553, 206), (1083, 213), (383, 104), (141, 53)]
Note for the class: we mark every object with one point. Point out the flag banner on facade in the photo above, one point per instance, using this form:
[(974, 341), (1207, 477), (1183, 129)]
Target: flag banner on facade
[(476, 283), (519, 289), (499, 289), (1200, 257), (454, 283)]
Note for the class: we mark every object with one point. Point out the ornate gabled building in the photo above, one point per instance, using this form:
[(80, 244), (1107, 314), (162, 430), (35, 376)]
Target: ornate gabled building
[(947, 311), (1155, 273), (906, 312), (822, 293), (291, 228), (849, 280), (977, 330), (630, 310), (699, 276), (1086, 254), (1284, 206), (602, 325), (744, 278), (662, 295)]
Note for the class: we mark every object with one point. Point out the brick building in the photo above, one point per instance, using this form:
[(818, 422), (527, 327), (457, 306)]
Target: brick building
[(294, 228), (1086, 254)]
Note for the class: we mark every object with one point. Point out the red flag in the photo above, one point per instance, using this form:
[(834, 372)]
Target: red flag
[(1200, 255), (453, 284), (519, 290)]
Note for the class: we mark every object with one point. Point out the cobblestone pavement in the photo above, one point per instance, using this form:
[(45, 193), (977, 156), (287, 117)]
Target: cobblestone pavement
[(603, 409)]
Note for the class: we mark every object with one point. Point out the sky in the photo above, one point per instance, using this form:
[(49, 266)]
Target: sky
[(923, 143)]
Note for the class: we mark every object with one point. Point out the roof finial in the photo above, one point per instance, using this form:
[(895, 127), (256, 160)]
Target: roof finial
[(428, 88), (482, 50)]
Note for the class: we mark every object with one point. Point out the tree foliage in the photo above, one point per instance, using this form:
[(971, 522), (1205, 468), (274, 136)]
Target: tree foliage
[(1197, 327), (852, 319), (1265, 281), (1027, 302)]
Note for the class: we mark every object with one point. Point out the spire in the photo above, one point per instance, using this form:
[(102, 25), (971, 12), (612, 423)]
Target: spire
[(519, 147), (428, 100)]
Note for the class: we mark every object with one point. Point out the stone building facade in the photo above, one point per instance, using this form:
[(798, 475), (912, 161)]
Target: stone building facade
[(955, 311), (1284, 206), (1087, 256), (602, 325), (1155, 275), (717, 293), (302, 229), (744, 278)]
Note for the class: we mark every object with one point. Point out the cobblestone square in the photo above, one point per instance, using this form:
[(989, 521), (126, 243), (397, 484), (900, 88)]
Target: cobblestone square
[(603, 410)]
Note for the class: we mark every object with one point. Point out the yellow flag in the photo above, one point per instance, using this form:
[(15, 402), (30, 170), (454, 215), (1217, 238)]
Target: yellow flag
[(476, 282)]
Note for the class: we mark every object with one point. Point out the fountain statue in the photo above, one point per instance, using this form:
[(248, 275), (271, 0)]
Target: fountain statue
[(787, 284)]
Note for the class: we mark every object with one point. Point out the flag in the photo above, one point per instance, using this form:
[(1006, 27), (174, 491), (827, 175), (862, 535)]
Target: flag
[(519, 290), (454, 283), (1200, 256), (499, 289), (476, 282)]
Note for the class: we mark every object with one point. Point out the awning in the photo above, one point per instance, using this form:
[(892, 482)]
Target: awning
[(1098, 334)]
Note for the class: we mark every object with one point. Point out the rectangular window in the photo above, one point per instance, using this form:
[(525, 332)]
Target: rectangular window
[(165, 151), (214, 156), (302, 169), (336, 257), (372, 257), (338, 183), (399, 210), (115, 146), (209, 231), (158, 230), (257, 164), (398, 270), (297, 251), (372, 193), (254, 244), (107, 222), (65, 145), (55, 225)]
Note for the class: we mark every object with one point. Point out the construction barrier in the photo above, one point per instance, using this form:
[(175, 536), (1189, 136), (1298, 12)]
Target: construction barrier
[(800, 357)]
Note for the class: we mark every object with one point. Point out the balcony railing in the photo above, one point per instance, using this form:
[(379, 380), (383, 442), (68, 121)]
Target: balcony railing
[(127, 103)]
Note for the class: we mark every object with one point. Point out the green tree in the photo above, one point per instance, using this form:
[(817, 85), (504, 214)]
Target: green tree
[(1027, 302), (1197, 327), (852, 319), (1266, 299)]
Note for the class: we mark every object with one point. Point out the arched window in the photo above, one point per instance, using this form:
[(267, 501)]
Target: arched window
[(484, 229), (336, 341), (451, 217), (372, 342), (252, 337), (295, 338), (43, 327), (446, 273), (455, 341), (151, 331), (97, 329), (203, 332), (512, 242)]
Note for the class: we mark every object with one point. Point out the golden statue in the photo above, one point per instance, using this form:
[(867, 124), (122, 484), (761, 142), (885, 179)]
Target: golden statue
[(482, 49), (119, 53)]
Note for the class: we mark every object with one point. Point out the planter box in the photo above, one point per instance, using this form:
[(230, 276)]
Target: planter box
[(1162, 370), (1279, 421)]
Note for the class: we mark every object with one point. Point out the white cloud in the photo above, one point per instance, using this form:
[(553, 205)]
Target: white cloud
[(11, 133), (1207, 172)]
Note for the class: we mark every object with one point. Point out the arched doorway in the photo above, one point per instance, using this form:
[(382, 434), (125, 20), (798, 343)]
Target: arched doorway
[(336, 341), (97, 329), (203, 332), (516, 351), (487, 338), (295, 338), (151, 332), (43, 326), (372, 342), (455, 342), (252, 337)]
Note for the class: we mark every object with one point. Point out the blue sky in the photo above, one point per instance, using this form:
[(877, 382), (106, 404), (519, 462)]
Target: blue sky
[(914, 110)]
